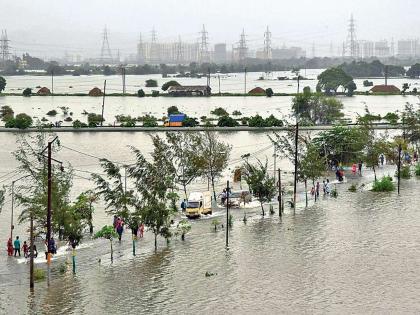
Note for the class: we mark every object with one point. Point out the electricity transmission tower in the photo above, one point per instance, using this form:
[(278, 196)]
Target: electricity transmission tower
[(106, 55), (243, 48), (267, 45), (351, 44), (153, 49), (4, 47), (179, 51), (141, 52), (204, 46)]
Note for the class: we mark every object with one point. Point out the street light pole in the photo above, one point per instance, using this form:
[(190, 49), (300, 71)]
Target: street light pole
[(11, 219), (227, 214)]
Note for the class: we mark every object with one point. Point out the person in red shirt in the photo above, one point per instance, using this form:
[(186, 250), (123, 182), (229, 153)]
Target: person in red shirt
[(25, 250), (10, 247)]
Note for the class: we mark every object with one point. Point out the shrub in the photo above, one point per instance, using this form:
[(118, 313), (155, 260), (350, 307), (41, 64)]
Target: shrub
[(269, 92), (94, 119), (78, 124), (417, 170), (168, 84), (52, 112), (140, 93), (256, 121), (39, 274), (172, 110), (353, 188), (236, 113), (27, 92), (385, 184), (21, 121), (272, 121), (150, 121), (6, 113), (405, 172), (226, 121), (219, 112), (155, 93), (151, 83), (68, 119), (190, 122)]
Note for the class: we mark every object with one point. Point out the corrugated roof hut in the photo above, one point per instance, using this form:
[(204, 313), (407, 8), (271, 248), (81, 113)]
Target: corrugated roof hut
[(389, 89), (257, 91), (95, 92), (44, 91)]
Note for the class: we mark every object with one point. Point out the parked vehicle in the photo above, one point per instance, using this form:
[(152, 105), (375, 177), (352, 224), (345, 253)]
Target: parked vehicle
[(198, 203), (237, 197)]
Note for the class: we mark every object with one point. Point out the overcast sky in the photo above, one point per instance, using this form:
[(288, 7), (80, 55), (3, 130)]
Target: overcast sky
[(50, 27)]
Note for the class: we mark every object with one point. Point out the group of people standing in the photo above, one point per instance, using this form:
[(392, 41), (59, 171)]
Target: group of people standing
[(326, 188), (14, 248), (119, 228)]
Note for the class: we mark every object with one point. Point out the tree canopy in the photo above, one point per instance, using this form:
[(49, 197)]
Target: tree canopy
[(331, 79)]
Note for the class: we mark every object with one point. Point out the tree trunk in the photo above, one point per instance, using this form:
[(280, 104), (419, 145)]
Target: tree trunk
[(185, 191), (112, 252), (306, 192), (374, 172), (155, 242), (214, 190), (313, 184), (262, 208)]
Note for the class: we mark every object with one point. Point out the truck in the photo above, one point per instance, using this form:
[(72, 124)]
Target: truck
[(175, 120), (198, 203)]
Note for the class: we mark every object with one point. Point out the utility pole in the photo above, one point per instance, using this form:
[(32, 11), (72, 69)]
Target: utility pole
[(11, 219), (275, 162), (103, 104), (245, 82), (267, 45), (296, 150), (123, 78), (31, 259), (218, 77), (49, 191), (52, 82), (280, 195), (227, 214), (399, 166)]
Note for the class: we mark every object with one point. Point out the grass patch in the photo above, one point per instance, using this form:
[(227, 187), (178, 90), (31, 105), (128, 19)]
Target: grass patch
[(39, 274), (417, 170), (385, 184)]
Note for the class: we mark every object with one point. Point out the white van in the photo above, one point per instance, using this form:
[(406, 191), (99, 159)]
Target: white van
[(198, 203)]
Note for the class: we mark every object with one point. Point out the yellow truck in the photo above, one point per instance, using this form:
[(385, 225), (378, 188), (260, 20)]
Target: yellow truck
[(198, 203)]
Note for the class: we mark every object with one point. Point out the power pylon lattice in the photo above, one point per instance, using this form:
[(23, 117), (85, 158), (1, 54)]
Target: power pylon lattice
[(243, 48), (106, 54), (267, 45), (154, 52), (179, 50), (351, 43), (4, 46), (204, 55)]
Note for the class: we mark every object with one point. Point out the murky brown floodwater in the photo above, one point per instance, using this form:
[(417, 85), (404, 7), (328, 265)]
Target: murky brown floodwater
[(359, 253)]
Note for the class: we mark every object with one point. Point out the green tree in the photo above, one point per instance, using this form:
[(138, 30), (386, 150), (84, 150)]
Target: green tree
[(257, 121), (172, 110), (414, 71), (140, 93), (27, 92), (107, 232), (405, 88), (259, 182), (94, 120), (84, 207), (21, 121), (269, 92), (32, 193), (151, 83), (168, 84), (2, 84), (331, 79), (150, 121), (213, 157), (317, 109), (227, 121), (350, 88), (190, 122), (183, 228), (219, 112), (6, 113)]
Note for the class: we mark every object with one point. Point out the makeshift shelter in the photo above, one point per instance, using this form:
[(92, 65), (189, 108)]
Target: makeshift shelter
[(95, 92), (44, 91)]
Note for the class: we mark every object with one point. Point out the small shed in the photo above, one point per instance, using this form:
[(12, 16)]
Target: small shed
[(175, 120), (386, 89), (44, 91), (189, 90), (95, 92), (257, 91)]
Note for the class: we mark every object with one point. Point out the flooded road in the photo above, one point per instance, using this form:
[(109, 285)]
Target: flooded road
[(359, 253)]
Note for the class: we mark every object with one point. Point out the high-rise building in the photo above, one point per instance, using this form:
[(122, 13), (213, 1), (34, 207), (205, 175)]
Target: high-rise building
[(220, 53), (408, 48), (382, 49)]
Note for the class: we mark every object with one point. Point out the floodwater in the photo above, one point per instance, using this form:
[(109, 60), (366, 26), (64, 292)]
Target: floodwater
[(358, 253)]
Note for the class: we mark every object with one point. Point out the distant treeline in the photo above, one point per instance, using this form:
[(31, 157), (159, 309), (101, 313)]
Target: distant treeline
[(366, 68)]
